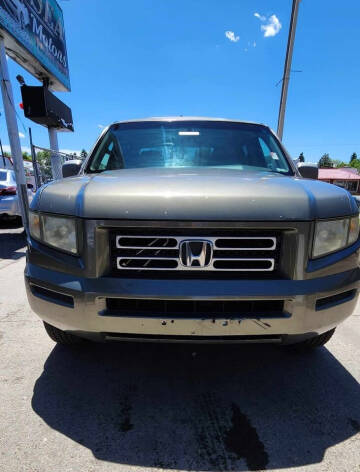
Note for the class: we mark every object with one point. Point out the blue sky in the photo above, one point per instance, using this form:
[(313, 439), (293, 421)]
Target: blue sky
[(169, 57)]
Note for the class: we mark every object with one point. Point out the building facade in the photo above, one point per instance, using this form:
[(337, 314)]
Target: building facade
[(345, 177)]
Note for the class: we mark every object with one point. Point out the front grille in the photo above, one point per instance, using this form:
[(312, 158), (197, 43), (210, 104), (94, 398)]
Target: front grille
[(208, 309), (194, 251)]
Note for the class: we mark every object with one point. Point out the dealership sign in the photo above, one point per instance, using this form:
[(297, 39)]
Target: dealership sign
[(34, 36)]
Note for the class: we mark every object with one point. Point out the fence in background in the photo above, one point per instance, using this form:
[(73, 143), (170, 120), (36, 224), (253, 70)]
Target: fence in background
[(42, 163)]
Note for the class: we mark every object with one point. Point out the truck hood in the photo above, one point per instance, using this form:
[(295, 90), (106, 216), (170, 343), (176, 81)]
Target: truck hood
[(195, 194)]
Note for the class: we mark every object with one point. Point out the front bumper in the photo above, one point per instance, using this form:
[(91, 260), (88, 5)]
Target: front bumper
[(86, 315)]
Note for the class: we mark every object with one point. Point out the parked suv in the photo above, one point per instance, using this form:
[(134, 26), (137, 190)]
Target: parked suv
[(192, 229)]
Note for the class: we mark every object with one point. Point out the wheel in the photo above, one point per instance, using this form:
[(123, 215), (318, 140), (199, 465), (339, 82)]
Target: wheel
[(314, 342), (61, 337)]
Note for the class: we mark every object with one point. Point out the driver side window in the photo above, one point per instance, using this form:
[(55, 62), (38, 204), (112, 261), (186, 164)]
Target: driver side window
[(103, 164), (108, 156)]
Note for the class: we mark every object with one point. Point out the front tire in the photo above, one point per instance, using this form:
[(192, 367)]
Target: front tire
[(312, 343), (61, 337)]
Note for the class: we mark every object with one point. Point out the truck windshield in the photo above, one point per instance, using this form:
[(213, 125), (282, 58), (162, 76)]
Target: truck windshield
[(240, 146)]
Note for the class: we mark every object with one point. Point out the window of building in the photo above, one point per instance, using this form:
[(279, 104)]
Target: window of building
[(352, 185)]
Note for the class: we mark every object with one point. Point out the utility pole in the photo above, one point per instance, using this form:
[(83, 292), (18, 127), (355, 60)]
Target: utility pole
[(13, 132), (34, 162), (56, 165), (2, 153), (287, 67)]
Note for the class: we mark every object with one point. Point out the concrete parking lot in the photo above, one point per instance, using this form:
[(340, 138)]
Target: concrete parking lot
[(155, 407)]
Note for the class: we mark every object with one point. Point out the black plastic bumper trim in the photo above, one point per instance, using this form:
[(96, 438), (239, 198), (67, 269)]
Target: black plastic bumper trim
[(333, 300), (52, 296)]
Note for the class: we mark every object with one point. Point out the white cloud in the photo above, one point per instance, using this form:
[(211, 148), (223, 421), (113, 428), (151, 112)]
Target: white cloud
[(6, 148), (21, 135), (272, 27), (261, 17), (231, 36), (71, 151)]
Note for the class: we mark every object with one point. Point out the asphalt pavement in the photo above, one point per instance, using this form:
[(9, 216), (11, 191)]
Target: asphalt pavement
[(125, 407)]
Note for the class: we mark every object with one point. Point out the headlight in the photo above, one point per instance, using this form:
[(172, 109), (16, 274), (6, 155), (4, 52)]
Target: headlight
[(333, 235), (353, 230), (56, 231), (34, 225)]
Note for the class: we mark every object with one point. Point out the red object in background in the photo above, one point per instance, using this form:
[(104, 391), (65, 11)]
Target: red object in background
[(21, 106), (8, 191)]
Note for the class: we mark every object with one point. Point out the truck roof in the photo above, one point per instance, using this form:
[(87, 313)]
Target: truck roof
[(186, 118)]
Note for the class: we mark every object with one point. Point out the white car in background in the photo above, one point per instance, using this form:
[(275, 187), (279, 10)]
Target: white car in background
[(9, 200)]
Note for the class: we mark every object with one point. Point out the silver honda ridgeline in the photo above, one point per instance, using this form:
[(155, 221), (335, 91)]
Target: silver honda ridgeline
[(192, 229)]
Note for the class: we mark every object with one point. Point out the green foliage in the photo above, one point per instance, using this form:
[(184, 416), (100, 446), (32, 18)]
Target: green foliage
[(337, 163), (301, 157), (325, 161), (43, 159), (355, 163), (83, 154), (353, 157), (26, 156)]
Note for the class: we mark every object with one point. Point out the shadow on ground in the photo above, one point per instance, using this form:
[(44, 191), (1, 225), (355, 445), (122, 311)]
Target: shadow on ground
[(225, 408), (12, 239)]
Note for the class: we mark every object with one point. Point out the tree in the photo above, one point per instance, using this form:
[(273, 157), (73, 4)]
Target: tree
[(43, 159), (26, 156), (301, 157), (83, 154), (337, 163), (355, 163), (325, 161)]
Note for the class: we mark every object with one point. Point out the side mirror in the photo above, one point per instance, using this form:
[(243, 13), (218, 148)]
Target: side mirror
[(71, 168), (308, 172)]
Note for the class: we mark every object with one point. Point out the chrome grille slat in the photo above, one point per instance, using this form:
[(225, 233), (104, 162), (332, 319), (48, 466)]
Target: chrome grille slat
[(146, 258), (209, 267), (214, 240), (163, 253)]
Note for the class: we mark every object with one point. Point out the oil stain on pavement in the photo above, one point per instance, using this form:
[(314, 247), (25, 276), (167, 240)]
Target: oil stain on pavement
[(125, 412), (225, 435), (243, 440)]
